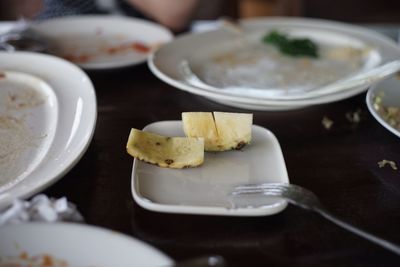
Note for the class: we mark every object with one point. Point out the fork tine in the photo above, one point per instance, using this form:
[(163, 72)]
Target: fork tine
[(266, 189), (261, 186)]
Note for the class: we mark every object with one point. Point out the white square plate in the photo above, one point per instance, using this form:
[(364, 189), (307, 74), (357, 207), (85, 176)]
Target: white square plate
[(206, 189)]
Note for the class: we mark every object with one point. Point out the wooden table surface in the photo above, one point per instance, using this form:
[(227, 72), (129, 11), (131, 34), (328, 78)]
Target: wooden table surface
[(339, 165)]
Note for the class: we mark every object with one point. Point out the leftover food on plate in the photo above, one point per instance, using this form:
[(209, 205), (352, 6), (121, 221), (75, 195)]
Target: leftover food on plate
[(291, 46), (99, 49), (389, 113), (26, 260), (280, 63), (22, 99), (221, 130), (163, 151), (102, 41)]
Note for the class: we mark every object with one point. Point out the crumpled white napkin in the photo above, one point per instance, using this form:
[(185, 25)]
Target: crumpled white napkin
[(40, 209)]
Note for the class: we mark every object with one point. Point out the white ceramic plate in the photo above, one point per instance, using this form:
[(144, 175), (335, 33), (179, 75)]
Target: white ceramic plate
[(103, 42), (166, 63), (68, 244), (62, 123), (6, 26), (28, 121), (389, 91), (206, 189)]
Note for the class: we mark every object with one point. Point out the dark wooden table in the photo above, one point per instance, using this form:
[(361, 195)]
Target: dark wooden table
[(339, 165)]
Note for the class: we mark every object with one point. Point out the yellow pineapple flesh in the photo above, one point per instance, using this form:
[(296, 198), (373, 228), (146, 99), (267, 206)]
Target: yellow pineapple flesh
[(170, 152), (201, 124), (234, 129), (221, 130)]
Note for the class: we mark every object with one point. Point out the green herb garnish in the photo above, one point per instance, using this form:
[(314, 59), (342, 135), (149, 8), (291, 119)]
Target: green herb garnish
[(292, 47)]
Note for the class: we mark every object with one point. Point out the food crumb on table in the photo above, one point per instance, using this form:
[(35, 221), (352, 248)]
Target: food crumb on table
[(327, 123), (385, 162)]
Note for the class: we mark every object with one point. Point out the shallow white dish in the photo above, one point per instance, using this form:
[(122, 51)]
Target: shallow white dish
[(63, 136), (6, 26), (101, 41), (68, 244), (166, 63), (28, 121), (389, 91), (206, 189)]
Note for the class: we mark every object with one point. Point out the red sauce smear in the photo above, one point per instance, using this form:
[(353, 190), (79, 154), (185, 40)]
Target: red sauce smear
[(48, 261), (23, 255), (140, 47), (136, 46), (82, 58)]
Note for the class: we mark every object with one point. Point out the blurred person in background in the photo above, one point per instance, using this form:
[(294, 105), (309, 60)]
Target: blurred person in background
[(174, 14)]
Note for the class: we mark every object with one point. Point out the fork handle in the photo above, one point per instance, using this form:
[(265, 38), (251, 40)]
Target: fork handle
[(374, 239)]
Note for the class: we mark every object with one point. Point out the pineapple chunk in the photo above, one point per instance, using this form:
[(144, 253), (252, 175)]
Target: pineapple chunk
[(221, 130), (170, 152), (234, 129), (201, 124)]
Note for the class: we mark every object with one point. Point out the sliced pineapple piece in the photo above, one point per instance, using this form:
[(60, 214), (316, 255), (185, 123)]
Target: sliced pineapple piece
[(234, 129), (171, 152), (201, 124), (221, 130)]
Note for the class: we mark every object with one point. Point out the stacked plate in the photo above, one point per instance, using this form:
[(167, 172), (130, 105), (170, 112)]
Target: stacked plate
[(238, 69)]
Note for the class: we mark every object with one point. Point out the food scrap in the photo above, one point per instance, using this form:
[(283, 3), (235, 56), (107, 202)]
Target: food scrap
[(291, 46), (385, 162), (24, 259), (390, 114), (76, 56), (354, 116), (135, 46), (327, 123)]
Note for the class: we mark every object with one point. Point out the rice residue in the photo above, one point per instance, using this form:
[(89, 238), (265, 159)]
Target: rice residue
[(17, 139), (265, 68)]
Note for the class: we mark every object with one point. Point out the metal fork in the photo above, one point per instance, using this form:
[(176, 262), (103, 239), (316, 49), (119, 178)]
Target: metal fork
[(306, 199)]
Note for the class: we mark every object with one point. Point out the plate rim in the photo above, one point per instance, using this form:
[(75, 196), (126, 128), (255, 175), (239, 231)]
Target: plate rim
[(7, 197), (91, 230), (39, 82), (205, 210), (370, 105)]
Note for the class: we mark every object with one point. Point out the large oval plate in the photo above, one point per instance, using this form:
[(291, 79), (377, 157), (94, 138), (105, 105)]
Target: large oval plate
[(166, 63), (64, 136)]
